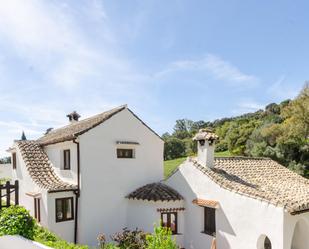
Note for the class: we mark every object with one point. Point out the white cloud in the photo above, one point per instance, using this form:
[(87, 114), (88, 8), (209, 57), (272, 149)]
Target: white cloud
[(280, 89), (215, 66), (247, 106)]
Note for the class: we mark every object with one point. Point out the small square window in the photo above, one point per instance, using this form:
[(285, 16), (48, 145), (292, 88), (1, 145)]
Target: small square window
[(64, 209), (169, 220), (125, 153)]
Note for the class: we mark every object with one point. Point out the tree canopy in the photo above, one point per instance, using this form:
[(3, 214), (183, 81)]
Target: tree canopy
[(280, 131)]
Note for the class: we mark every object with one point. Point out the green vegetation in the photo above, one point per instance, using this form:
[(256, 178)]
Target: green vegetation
[(5, 160), (3, 180), (45, 237), (280, 132), (161, 239), (171, 165), (16, 220)]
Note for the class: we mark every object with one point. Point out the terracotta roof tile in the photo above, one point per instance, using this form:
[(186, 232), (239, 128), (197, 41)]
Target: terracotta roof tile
[(155, 192), (260, 178), (40, 168), (205, 134), (206, 203), (70, 131)]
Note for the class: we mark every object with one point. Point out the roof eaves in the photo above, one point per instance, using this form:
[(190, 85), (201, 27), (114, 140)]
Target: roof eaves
[(145, 124), (121, 108)]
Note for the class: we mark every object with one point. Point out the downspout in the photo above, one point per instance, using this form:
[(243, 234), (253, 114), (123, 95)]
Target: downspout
[(77, 192)]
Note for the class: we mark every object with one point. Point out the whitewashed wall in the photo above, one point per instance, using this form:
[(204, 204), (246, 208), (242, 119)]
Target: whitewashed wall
[(64, 229), (6, 171), (144, 215), (55, 155), (25, 183), (240, 220), (296, 230), (106, 180)]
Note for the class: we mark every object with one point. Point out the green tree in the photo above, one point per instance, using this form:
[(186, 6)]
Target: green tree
[(174, 148)]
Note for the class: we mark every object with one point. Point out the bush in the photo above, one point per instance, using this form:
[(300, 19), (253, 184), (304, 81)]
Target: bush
[(161, 239), (128, 239), (43, 236), (16, 220)]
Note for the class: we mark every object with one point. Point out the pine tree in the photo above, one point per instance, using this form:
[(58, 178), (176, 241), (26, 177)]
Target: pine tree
[(23, 136)]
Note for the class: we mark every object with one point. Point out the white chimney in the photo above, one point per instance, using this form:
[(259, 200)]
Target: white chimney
[(206, 147)]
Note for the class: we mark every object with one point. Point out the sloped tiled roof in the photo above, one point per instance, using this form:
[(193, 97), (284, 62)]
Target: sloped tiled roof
[(70, 131), (260, 178), (40, 168), (155, 192), (206, 203)]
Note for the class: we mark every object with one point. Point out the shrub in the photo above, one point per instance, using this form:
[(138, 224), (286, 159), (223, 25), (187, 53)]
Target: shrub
[(128, 239), (43, 236), (16, 220), (161, 239)]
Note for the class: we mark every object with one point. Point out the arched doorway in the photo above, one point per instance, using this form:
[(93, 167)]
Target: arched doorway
[(263, 242), (300, 237)]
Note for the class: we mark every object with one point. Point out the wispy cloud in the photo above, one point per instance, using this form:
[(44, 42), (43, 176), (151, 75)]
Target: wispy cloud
[(281, 89), (247, 106), (214, 66)]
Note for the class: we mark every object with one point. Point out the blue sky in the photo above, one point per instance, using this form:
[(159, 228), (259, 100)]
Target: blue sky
[(166, 59)]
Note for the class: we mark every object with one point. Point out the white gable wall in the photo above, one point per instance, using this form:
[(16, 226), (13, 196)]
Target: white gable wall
[(27, 185), (240, 220), (106, 180), (55, 155)]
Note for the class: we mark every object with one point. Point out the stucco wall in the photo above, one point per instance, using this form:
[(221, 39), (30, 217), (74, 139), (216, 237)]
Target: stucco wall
[(55, 155), (296, 230), (240, 220), (64, 229), (144, 215), (25, 183), (106, 180)]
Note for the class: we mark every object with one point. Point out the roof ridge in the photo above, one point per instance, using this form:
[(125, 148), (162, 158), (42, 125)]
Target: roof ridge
[(86, 119)]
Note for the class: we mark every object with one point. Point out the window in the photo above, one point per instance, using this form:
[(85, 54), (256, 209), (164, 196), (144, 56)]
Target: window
[(66, 159), (37, 209), (169, 220), (64, 209), (267, 243), (210, 221), (14, 160), (125, 153)]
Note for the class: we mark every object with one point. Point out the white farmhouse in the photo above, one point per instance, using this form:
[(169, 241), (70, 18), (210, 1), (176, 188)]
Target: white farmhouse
[(104, 173)]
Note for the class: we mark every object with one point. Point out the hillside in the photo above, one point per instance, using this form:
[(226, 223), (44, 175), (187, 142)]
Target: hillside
[(280, 132)]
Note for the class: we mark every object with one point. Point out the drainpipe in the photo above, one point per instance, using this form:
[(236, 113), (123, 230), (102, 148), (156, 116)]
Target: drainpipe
[(77, 192)]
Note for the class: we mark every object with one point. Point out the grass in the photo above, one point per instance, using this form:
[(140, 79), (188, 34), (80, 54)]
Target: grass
[(171, 165)]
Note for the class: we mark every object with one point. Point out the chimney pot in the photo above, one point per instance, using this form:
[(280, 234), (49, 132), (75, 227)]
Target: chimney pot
[(206, 146), (73, 116)]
